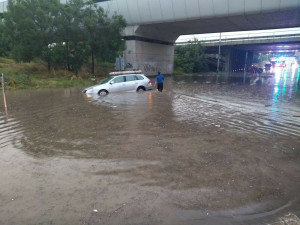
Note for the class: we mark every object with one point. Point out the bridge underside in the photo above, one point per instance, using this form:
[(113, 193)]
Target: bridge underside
[(271, 20), (150, 46)]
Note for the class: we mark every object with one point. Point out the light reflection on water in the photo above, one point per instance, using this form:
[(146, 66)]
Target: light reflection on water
[(266, 108)]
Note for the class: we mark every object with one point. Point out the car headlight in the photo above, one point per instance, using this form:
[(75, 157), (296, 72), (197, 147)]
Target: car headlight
[(89, 91)]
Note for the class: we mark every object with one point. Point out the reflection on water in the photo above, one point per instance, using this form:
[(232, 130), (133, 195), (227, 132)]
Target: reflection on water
[(127, 99), (264, 109), (200, 148)]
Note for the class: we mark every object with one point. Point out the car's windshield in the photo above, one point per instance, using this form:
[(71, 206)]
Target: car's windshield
[(106, 80)]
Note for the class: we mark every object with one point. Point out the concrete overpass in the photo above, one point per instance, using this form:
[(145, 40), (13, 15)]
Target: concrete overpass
[(283, 41), (154, 25), (234, 49), (293, 41)]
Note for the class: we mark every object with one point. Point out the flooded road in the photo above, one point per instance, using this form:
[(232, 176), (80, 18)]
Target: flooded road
[(204, 151)]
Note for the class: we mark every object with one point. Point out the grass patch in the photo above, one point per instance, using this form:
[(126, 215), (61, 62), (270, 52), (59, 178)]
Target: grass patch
[(36, 75), (178, 71)]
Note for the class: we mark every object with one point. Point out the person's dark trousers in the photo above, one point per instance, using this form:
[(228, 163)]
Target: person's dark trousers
[(160, 86)]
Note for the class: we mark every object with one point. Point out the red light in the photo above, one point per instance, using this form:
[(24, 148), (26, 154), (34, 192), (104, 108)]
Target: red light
[(149, 83)]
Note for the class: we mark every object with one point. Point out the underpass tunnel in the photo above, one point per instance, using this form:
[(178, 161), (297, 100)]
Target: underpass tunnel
[(237, 58)]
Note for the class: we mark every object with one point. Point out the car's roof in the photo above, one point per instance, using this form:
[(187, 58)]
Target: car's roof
[(126, 75), (139, 72)]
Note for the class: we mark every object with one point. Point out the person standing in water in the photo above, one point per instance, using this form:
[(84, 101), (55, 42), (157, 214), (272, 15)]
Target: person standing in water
[(160, 82)]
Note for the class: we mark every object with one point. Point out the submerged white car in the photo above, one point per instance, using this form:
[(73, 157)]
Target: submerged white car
[(121, 82)]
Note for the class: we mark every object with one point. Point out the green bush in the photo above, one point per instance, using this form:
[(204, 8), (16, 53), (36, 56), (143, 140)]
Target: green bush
[(190, 58)]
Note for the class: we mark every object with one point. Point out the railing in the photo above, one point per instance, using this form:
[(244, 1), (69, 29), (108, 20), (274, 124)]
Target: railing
[(242, 36), (274, 38)]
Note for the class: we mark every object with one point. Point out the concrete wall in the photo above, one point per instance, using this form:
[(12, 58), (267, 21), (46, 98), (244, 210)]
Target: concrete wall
[(149, 57)]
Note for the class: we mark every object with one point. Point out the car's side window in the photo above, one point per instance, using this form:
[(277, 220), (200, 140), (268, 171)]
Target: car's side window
[(119, 79), (130, 78), (139, 77)]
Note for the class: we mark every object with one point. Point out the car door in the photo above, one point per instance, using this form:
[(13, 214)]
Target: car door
[(131, 83), (117, 84)]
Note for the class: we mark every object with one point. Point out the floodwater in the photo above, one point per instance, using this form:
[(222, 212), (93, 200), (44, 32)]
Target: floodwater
[(204, 151)]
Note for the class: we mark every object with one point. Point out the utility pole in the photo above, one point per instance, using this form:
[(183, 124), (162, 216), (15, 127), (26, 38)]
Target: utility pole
[(218, 64), (245, 67)]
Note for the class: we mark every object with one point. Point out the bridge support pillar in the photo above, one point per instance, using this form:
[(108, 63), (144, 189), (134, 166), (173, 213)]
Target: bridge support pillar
[(149, 56), (148, 50)]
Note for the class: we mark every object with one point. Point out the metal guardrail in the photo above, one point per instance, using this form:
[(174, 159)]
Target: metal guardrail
[(243, 39)]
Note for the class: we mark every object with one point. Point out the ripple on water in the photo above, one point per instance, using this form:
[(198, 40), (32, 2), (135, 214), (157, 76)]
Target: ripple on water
[(9, 130), (236, 116)]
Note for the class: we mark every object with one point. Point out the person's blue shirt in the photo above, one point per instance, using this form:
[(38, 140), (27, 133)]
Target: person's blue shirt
[(160, 79)]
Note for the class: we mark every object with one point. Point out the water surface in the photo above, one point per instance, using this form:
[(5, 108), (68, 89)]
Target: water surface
[(205, 151)]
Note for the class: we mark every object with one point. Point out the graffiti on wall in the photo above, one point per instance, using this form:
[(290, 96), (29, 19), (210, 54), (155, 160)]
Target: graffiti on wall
[(150, 68), (145, 67)]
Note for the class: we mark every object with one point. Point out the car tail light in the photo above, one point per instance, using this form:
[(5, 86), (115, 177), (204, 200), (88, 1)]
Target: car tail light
[(149, 83)]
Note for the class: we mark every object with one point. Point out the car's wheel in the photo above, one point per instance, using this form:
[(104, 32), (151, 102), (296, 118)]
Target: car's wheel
[(141, 89), (103, 92)]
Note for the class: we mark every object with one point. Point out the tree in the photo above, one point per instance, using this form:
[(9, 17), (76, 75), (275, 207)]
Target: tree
[(69, 31), (5, 42), (63, 34), (103, 34), (21, 29), (31, 28), (190, 57), (115, 44)]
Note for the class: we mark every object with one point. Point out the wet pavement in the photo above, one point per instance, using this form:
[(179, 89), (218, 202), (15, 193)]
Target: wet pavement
[(207, 150)]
